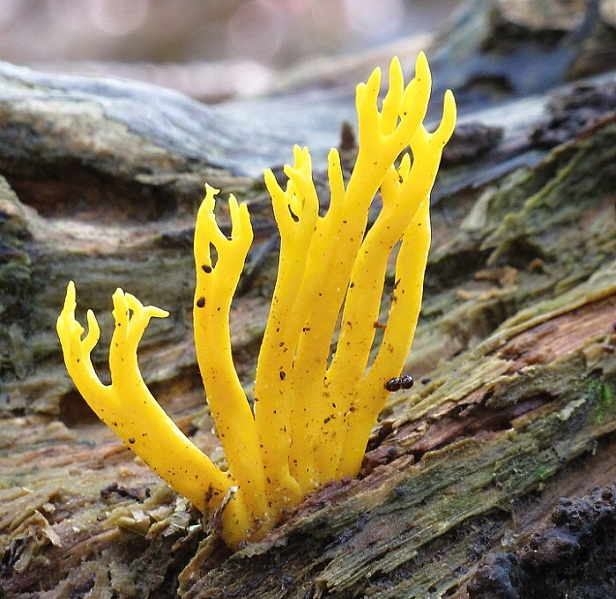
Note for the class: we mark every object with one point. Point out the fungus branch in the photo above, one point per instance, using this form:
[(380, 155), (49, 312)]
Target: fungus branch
[(215, 286), (127, 406)]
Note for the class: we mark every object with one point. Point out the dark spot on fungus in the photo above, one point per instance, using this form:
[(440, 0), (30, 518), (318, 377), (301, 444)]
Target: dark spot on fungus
[(206, 268), (201, 302), (131, 440), (283, 375)]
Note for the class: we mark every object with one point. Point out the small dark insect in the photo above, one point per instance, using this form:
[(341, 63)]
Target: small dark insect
[(393, 384), (201, 302), (397, 383), (407, 381)]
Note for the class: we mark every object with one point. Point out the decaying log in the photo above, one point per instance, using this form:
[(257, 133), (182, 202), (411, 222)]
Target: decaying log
[(514, 404)]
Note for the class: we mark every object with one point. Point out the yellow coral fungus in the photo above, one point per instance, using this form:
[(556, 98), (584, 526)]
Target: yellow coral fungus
[(314, 407)]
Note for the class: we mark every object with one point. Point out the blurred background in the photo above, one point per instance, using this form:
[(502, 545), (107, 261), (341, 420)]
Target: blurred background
[(209, 49)]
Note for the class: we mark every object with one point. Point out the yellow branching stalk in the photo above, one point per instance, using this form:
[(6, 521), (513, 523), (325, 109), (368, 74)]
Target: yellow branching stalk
[(314, 406)]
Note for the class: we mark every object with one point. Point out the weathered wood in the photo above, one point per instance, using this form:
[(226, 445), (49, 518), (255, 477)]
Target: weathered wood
[(500, 430), (515, 362)]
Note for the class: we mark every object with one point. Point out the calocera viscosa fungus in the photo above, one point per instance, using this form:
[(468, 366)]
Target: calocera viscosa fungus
[(313, 411)]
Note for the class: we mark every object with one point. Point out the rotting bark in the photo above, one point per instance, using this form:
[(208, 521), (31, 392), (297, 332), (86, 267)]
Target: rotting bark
[(515, 363)]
